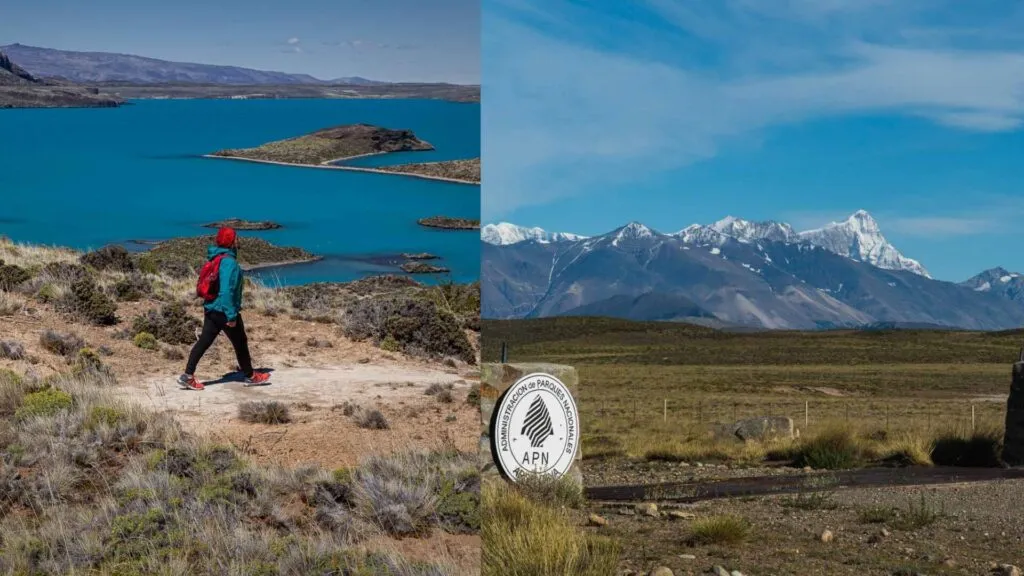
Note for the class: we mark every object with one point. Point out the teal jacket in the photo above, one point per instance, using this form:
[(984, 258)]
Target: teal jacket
[(229, 296)]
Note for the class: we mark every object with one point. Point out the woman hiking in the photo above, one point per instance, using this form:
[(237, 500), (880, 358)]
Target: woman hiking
[(220, 285)]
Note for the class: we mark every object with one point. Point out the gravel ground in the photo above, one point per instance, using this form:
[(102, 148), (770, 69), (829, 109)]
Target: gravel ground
[(977, 527)]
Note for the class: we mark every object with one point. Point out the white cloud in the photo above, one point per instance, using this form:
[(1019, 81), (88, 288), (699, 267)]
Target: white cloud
[(562, 117), (293, 41)]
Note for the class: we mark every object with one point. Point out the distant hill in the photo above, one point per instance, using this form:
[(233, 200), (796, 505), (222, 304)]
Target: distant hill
[(111, 67), (21, 89)]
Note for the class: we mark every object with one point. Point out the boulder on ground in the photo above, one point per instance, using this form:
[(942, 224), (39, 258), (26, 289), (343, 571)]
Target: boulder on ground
[(761, 428)]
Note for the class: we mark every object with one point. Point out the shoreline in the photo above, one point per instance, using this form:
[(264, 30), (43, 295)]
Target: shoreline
[(323, 166), (263, 265)]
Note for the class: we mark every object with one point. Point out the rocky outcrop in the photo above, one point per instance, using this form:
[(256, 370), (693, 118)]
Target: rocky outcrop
[(449, 223), (416, 267), (239, 224), (760, 429)]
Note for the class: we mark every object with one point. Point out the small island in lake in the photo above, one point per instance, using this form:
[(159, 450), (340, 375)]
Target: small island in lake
[(240, 224), (461, 170), (449, 223), (420, 256), (416, 267), (253, 253), (331, 144)]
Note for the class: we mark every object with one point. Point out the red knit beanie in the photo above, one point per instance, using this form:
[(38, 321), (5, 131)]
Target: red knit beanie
[(226, 237)]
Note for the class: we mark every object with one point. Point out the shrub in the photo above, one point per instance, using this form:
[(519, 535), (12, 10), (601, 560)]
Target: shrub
[(12, 276), (104, 415), (414, 325), (399, 506), (473, 398), (264, 412), (436, 388), (46, 402), (917, 516), (171, 353), (982, 449), (171, 324), (111, 257), (522, 537), (87, 301), (48, 293), (830, 450), (66, 345), (65, 272), (87, 359), (372, 419), (11, 350), (145, 340), (445, 397), (9, 306), (550, 490), (132, 289), (877, 515), (719, 530)]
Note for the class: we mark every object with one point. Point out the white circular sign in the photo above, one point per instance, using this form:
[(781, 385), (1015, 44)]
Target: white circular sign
[(535, 428)]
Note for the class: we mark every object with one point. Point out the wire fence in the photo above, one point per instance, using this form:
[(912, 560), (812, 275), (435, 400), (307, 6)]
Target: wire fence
[(881, 414)]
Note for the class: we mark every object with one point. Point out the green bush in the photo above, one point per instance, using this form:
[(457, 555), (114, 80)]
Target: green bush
[(45, 402), (66, 345), (103, 415), (89, 303), (145, 340), (981, 449), (12, 276), (170, 324), (720, 530), (830, 450), (47, 293), (110, 257)]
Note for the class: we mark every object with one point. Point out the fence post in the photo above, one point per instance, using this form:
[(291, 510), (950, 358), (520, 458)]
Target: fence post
[(807, 414), (973, 428), (664, 415)]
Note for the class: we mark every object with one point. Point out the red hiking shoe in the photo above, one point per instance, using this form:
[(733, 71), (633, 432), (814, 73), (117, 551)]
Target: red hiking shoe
[(190, 382), (257, 379)]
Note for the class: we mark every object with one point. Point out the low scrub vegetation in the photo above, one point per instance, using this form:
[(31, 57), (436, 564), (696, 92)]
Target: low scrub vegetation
[(92, 485), (719, 530), (264, 412), (523, 536)]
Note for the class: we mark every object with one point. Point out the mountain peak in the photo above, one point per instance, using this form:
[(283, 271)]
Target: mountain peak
[(859, 237), (747, 231), (505, 233)]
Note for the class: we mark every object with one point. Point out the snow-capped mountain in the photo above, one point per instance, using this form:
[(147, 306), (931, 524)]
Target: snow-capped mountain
[(737, 273), (504, 233), (998, 281), (747, 231), (859, 237)]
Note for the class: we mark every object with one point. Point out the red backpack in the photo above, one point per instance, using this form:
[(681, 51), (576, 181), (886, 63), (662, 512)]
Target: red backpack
[(209, 279)]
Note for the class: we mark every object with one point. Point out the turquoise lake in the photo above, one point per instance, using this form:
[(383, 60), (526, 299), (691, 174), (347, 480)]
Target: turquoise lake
[(89, 177)]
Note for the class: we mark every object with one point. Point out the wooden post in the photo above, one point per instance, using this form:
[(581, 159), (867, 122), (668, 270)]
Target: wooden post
[(664, 410), (700, 412), (973, 427), (807, 414)]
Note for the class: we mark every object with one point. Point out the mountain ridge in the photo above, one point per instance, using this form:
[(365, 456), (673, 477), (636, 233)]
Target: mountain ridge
[(99, 67), (746, 281)]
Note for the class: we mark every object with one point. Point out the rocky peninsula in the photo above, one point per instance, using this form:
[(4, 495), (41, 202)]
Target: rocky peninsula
[(240, 224), (330, 145), (463, 170), (185, 255), (449, 223), (20, 89), (417, 267)]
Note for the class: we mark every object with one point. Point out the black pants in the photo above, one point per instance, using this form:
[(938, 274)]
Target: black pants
[(213, 324)]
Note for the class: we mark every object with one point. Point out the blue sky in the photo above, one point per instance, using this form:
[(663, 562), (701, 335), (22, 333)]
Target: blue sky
[(392, 40), (672, 112)]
